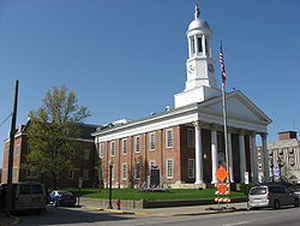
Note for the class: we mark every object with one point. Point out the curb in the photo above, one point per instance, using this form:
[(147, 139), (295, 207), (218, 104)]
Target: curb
[(207, 212)]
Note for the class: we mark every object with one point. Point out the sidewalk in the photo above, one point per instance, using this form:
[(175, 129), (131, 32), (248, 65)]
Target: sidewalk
[(171, 211), (8, 220)]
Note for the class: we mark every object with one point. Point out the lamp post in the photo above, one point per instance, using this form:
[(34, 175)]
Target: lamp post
[(110, 186)]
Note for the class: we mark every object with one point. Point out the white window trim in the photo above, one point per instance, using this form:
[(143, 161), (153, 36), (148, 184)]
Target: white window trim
[(167, 138), (135, 141), (135, 173), (111, 144), (122, 143), (154, 164), (170, 177), (150, 135), (101, 154), (193, 176), (124, 164)]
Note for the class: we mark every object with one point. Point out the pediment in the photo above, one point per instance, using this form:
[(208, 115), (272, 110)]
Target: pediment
[(238, 107)]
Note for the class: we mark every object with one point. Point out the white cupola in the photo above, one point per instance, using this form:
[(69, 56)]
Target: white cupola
[(201, 82)]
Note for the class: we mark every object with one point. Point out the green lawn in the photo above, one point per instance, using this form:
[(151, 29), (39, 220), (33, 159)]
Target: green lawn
[(134, 194)]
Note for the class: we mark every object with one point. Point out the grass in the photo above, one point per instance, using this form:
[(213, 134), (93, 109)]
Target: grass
[(134, 194)]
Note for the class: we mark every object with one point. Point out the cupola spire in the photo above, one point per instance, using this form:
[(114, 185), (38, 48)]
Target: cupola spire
[(197, 12)]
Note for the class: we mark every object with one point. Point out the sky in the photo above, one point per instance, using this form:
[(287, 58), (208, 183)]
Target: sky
[(126, 58)]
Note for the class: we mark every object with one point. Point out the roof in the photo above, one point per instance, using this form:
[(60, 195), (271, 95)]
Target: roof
[(111, 128)]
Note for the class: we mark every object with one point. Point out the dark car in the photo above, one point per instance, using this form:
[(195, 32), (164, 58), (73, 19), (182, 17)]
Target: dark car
[(62, 198)]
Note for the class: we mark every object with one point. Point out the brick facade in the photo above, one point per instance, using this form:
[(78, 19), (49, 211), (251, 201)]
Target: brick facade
[(83, 164), (180, 152)]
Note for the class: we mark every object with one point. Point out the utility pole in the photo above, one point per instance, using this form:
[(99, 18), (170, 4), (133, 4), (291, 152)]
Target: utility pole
[(9, 197)]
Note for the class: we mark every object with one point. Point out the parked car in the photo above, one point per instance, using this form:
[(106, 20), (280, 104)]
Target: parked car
[(62, 198), (273, 196), (26, 196), (296, 190)]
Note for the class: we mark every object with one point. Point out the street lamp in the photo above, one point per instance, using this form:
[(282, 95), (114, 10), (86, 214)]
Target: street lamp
[(110, 186)]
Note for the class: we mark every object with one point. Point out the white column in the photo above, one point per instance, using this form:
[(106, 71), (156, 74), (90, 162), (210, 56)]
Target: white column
[(230, 158), (254, 159), (203, 45), (198, 153), (242, 158), (196, 45), (265, 154), (190, 47), (214, 155)]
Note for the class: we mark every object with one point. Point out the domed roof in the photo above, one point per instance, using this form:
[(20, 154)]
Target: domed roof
[(198, 24)]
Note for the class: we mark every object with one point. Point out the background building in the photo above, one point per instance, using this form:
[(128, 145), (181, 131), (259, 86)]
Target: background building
[(83, 165), (186, 144), (285, 154)]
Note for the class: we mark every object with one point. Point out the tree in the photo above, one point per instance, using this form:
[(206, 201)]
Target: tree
[(52, 132)]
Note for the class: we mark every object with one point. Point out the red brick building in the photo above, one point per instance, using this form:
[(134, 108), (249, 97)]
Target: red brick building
[(83, 165), (186, 144)]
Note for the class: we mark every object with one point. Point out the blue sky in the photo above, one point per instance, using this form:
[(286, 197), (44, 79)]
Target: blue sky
[(127, 58)]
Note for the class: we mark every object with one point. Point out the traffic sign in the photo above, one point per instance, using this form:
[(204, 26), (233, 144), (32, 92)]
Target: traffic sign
[(221, 174)]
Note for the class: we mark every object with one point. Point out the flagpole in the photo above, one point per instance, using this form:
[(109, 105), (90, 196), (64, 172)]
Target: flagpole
[(223, 74), (225, 131)]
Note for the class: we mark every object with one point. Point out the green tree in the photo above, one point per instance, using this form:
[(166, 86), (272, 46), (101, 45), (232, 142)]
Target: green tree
[(52, 132)]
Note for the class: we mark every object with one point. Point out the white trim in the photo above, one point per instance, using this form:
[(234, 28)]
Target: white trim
[(101, 153), (110, 148), (189, 116), (122, 146), (167, 169), (135, 170), (150, 165), (124, 164), (167, 138), (155, 143), (135, 143)]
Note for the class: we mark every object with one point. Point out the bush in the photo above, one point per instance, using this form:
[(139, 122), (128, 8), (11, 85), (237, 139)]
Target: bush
[(246, 187)]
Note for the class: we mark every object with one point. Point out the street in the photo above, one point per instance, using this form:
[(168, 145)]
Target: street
[(73, 216)]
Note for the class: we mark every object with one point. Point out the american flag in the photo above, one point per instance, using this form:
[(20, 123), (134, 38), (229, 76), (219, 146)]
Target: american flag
[(221, 58)]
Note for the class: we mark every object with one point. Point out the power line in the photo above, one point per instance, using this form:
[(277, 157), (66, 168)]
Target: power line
[(1, 124)]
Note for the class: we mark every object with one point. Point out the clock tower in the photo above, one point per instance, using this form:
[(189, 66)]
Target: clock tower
[(201, 82)]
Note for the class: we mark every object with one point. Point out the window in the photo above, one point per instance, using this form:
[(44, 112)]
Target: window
[(86, 174), (137, 144), (151, 165), (192, 44), (170, 168), (113, 172), (206, 46), (190, 138), (102, 150), (191, 168), (113, 148), (152, 141), (137, 170), (86, 154), (124, 146), (169, 138), (25, 189), (199, 42), (37, 189), (124, 171)]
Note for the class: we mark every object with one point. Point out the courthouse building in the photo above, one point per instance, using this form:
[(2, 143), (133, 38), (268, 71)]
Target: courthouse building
[(186, 143)]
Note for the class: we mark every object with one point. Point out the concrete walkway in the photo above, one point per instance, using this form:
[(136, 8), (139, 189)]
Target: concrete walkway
[(171, 211)]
